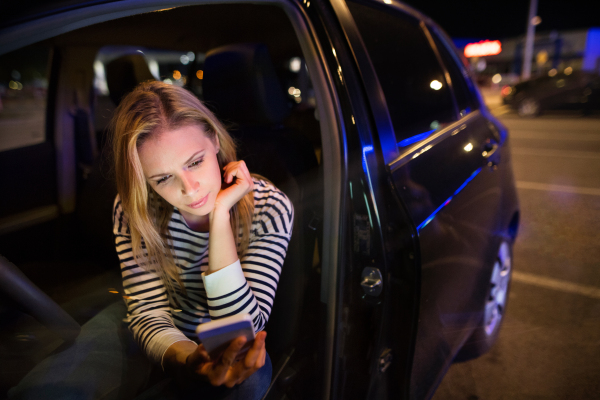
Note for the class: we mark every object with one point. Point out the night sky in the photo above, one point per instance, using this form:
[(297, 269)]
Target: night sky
[(499, 19), (484, 19)]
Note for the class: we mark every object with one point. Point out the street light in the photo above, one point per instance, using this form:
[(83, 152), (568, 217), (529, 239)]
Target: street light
[(532, 21)]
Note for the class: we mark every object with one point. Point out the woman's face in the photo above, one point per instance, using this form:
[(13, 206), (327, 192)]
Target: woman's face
[(181, 165)]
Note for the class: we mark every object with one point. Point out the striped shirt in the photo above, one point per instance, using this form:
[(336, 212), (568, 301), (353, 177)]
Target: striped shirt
[(246, 286)]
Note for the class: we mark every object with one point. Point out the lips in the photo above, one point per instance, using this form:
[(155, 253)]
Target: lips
[(199, 203)]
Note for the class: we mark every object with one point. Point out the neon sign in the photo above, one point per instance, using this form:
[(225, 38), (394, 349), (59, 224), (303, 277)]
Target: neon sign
[(483, 48)]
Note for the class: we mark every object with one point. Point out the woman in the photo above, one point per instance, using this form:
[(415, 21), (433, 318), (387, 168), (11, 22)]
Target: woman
[(179, 184)]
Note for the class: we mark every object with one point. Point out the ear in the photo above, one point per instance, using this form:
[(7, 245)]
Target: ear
[(217, 144)]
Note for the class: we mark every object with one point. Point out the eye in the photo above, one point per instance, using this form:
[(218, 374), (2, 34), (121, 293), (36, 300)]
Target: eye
[(196, 163), (163, 180)]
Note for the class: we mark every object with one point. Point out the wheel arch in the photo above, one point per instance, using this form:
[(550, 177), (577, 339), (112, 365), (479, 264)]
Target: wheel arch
[(513, 225)]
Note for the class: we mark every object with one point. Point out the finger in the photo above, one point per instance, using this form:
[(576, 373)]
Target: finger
[(203, 353), (198, 357), (221, 371), (255, 351), (260, 362), (228, 357), (240, 373), (231, 170), (263, 359), (230, 174), (243, 178)]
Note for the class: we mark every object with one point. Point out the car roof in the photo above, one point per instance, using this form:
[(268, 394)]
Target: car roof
[(17, 12), (60, 25), (37, 20)]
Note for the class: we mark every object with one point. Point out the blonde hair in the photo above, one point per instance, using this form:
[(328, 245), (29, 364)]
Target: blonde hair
[(150, 109)]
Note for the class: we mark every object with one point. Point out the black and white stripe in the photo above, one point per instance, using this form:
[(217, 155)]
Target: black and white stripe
[(156, 323)]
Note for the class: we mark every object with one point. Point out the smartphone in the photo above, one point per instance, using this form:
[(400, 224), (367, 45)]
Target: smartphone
[(217, 334)]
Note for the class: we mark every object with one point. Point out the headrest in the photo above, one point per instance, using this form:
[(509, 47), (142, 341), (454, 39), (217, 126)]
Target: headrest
[(124, 73), (241, 85)]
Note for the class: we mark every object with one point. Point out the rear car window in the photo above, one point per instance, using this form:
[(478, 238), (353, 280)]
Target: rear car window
[(23, 94), (180, 68), (417, 94), (462, 86)]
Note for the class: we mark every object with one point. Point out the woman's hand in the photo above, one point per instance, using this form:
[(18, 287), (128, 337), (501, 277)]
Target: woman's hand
[(226, 370), (237, 182), (222, 247)]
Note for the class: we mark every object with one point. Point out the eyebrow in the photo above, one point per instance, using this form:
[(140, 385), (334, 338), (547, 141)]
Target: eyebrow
[(186, 162)]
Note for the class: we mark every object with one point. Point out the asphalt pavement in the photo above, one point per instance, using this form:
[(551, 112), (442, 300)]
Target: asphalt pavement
[(549, 345)]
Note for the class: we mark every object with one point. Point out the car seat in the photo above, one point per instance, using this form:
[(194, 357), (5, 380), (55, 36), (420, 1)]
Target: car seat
[(97, 193)]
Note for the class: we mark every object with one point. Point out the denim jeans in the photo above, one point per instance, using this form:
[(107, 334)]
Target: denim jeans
[(252, 388), (105, 363)]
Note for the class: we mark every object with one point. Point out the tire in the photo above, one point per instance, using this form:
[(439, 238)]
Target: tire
[(494, 309), (529, 108)]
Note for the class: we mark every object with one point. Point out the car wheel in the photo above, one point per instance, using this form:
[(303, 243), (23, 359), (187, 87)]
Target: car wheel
[(529, 108), (485, 334)]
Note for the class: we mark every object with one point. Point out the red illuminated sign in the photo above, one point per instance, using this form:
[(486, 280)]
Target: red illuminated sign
[(483, 48)]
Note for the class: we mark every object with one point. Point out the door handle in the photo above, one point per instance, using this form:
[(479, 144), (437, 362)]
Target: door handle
[(489, 148)]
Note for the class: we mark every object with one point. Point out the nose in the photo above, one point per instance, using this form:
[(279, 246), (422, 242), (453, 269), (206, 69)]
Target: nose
[(189, 186)]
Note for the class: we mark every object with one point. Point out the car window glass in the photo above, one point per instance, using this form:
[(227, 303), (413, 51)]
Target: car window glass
[(461, 84), (181, 68), (23, 93), (185, 68), (417, 95)]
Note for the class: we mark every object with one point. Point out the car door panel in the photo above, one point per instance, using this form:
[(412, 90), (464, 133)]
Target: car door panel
[(443, 179), (378, 237), (455, 211)]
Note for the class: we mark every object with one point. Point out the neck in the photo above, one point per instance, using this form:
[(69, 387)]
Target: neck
[(197, 223)]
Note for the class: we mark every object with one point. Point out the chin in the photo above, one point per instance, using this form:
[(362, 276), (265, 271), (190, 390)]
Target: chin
[(199, 212), (202, 211)]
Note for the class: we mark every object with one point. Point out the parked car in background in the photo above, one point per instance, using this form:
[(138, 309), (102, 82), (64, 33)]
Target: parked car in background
[(361, 111), (569, 89)]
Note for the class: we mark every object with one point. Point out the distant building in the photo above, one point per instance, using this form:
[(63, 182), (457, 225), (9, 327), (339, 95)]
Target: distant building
[(577, 49)]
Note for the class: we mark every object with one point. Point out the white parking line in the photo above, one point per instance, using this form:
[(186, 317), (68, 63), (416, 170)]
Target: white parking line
[(556, 284), (557, 188), (526, 151)]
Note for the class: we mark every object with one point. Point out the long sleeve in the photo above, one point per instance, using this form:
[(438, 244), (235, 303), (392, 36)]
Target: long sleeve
[(148, 312), (246, 286), (249, 285)]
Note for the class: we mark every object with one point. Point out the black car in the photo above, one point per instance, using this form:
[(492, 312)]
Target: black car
[(569, 89), (361, 111)]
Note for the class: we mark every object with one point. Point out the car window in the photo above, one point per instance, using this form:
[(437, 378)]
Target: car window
[(181, 68), (416, 92), (185, 68), (461, 84), (23, 93)]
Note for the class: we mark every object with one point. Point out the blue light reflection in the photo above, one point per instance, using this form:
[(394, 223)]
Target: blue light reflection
[(444, 204), (415, 139), (364, 159)]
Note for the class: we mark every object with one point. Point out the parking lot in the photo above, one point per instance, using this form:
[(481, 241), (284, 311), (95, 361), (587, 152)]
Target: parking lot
[(549, 346)]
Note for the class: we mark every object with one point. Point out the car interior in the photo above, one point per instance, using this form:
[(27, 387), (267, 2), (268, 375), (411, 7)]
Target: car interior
[(246, 63)]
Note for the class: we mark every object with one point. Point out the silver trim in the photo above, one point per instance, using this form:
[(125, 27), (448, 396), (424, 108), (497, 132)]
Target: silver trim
[(329, 109), (419, 148)]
